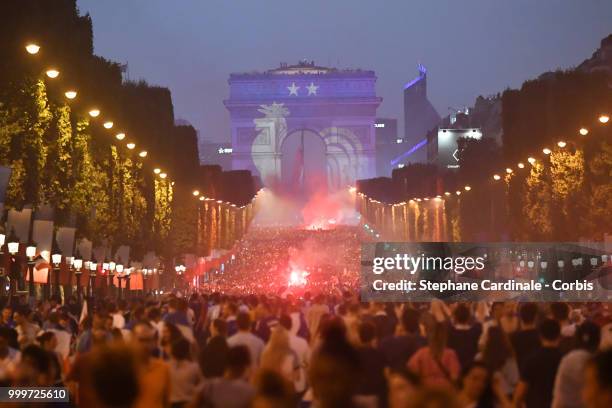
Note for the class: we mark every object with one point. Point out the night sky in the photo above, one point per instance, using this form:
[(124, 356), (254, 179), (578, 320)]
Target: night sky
[(470, 47)]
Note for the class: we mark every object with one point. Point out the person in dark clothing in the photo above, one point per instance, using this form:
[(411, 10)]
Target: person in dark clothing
[(385, 324), (540, 369), (372, 379), (398, 349), (526, 340), (463, 335), (213, 357)]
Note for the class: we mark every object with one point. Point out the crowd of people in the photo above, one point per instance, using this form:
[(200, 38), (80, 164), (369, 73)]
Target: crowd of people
[(249, 338), (265, 258), (220, 350)]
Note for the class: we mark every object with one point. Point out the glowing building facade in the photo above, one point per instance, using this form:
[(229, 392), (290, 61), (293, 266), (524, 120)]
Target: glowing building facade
[(419, 117), (304, 125)]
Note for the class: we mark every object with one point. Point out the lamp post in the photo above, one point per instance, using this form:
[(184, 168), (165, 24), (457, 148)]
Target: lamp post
[(93, 267), (68, 288), (31, 253), (119, 272), (2, 272), (15, 276), (105, 268), (180, 270), (145, 273), (56, 259), (160, 273), (128, 271), (78, 264), (111, 275)]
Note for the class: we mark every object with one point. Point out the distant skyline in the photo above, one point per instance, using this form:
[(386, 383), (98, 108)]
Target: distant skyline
[(470, 48)]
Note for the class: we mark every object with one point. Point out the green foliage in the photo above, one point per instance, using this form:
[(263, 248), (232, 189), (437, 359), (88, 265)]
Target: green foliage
[(56, 188)]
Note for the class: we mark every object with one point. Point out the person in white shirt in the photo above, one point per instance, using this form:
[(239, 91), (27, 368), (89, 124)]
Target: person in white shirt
[(300, 347), (117, 316), (244, 337), (569, 381)]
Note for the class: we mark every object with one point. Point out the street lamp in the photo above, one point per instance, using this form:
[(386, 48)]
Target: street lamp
[(93, 267), (180, 270), (78, 264), (108, 124), (32, 48), (111, 273), (2, 274), (31, 253), (14, 270), (52, 73), (2, 239), (120, 136), (68, 288), (144, 272), (56, 259), (71, 94), (128, 272), (119, 270), (94, 113)]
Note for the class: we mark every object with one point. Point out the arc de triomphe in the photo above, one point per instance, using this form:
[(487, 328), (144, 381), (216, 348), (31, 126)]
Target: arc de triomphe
[(338, 106)]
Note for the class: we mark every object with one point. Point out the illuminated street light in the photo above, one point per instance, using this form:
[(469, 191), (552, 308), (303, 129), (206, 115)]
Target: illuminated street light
[(202, 198), (195, 193), (561, 143), (120, 136), (509, 170), (143, 153), (131, 145), (352, 189), (163, 175), (521, 165), (447, 193), (156, 170), (32, 48), (604, 119), (458, 192), (584, 131), (70, 94), (531, 160), (546, 150), (52, 73), (496, 177), (467, 188), (94, 113), (13, 242), (108, 125)]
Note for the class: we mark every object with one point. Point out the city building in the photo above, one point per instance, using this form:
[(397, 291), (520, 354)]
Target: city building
[(215, 153), (304, 126), (420, 117), (388, 145), (442, 148)]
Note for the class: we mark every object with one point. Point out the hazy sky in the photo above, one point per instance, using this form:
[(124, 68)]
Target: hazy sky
[(470, 47)]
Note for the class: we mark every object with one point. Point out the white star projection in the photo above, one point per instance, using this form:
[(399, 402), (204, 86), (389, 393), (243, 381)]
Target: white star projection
[(312, 89), (293, 90)]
